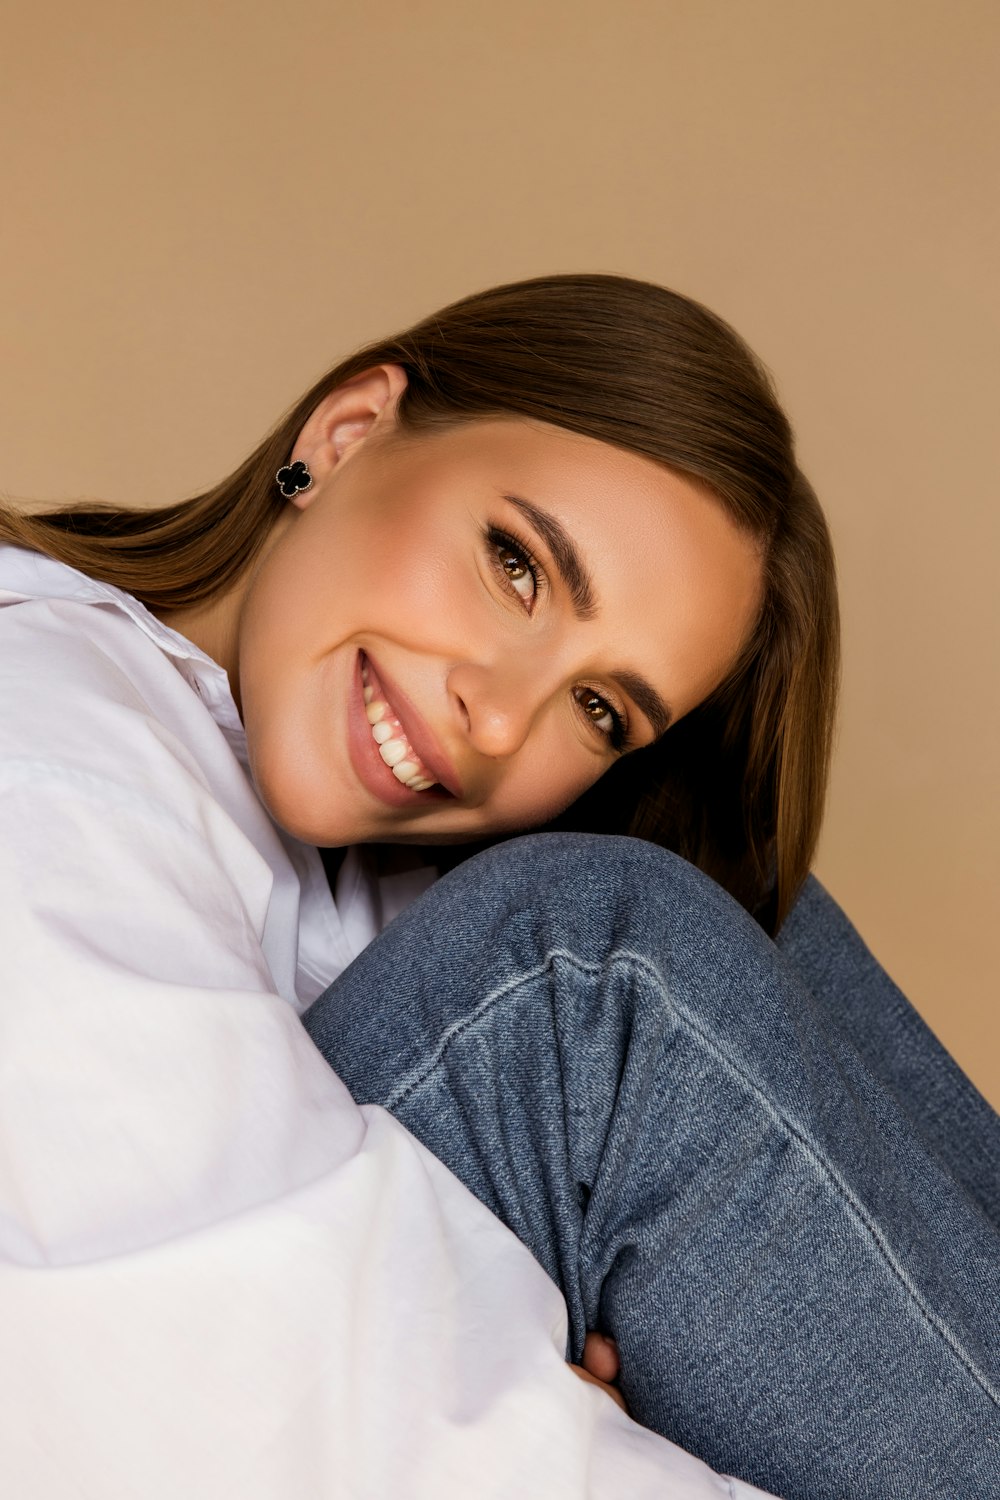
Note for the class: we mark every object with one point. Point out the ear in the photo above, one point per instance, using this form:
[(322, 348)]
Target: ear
[(344, 419)]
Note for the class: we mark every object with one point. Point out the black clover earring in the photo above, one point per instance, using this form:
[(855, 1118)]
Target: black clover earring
[(294, 477)]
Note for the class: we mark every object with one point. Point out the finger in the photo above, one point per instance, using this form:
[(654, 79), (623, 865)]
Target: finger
[(600, 1356), (611, 1390)]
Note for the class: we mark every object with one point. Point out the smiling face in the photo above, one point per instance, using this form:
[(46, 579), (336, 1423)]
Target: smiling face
[(515, 606)]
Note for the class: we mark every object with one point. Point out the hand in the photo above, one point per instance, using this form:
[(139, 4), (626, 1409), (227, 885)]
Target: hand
[(600, 1365)]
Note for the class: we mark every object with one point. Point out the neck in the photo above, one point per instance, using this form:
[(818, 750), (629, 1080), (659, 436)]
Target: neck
[(212, 626)]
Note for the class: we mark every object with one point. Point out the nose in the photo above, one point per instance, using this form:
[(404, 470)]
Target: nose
[(498, 705)]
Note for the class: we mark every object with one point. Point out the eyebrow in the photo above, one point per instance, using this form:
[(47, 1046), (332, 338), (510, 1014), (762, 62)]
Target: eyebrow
[(565, 556), (578, 582)]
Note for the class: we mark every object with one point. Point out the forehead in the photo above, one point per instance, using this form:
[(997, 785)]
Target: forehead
[(677, 582), (581, 474)]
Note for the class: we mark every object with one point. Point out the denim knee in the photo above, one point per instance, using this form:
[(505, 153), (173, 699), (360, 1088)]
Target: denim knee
[(534, 905), (601, 887)]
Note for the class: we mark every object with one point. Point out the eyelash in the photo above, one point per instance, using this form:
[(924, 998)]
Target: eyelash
[(499, 540)]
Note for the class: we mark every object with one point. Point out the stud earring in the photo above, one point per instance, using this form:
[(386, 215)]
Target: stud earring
[(294, 477)]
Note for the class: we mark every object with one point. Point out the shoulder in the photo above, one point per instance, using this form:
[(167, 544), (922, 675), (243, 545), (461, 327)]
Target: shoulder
[(65, 644), (119, 799), (83, 687), (65, 629), (111, 757)]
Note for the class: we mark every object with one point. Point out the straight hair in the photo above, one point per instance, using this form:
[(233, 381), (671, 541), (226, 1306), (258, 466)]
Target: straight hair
[(738, 785)]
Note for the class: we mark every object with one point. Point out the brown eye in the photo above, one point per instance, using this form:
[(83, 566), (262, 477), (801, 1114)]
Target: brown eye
[(600, 713), (519, 572), (513, 565)]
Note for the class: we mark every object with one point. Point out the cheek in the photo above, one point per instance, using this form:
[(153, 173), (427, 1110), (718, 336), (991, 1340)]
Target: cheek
[(540, 792), (400, 577)]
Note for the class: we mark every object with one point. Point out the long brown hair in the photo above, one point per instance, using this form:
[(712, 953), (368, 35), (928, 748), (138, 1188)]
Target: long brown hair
[(737, 786)]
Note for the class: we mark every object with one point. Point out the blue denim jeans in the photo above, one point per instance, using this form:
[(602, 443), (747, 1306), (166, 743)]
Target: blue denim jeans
[(752, 1164)]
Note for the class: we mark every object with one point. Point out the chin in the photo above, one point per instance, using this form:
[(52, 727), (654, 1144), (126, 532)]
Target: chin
[(293, 809), (305, 829)]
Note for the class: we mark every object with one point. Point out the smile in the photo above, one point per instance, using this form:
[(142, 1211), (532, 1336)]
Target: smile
[(390, 737)]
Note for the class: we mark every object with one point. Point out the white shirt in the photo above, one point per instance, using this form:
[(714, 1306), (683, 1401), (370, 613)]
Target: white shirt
[(218, 1275)]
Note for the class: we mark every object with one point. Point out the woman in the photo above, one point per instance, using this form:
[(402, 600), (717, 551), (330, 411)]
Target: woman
[(544, 560)]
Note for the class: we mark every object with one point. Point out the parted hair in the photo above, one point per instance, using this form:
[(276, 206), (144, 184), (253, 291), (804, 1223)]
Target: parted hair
[(738, 785)]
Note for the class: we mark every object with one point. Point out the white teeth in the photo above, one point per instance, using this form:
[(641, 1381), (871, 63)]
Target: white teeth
[(392, 752)]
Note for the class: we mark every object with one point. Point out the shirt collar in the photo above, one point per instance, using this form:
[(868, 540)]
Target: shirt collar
[(32, 575)]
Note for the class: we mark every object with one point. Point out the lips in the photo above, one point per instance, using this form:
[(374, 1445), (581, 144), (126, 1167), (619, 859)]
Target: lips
[(416, 731), (414, 727)]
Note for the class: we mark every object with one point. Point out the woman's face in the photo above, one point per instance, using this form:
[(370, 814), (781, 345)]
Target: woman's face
[(518, 605)]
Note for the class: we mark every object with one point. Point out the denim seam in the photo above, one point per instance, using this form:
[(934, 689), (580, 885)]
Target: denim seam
[(408, 1086), (824, 1167)]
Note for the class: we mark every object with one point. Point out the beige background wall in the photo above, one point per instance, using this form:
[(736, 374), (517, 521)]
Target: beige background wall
[(203, 204)]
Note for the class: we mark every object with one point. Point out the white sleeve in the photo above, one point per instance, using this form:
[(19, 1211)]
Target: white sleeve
[(218, 1276)]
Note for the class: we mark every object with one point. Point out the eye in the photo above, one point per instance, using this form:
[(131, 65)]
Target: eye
[(522, 574), (605, 718), (517, 570)]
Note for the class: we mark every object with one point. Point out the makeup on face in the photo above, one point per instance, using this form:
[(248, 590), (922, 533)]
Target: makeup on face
[(518, 604), (397, 772)]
